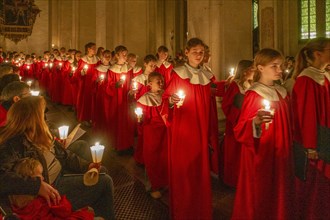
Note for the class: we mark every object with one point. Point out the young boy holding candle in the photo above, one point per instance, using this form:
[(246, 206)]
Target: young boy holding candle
[(163, 66), (154, 135), (189, 170), (265, 181)]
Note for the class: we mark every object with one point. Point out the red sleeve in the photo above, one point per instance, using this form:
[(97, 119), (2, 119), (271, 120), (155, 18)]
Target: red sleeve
[(305, 112), (230, 109)]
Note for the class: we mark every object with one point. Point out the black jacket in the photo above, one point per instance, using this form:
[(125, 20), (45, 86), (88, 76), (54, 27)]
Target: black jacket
[(19, 147)]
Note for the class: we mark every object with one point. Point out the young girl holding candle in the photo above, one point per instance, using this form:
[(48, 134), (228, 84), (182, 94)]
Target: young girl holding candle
[(311, 112), (163, 66), (231, 106), (119, 116), (189, 170), (265, 181), (154, 135), (140, 86)]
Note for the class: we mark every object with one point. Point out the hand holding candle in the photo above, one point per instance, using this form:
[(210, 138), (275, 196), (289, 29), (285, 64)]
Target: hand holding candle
[(269, 113), (34, 92), (97, 152), (84, 71), (231, 72), (102, 77), (134, 86), (139, 113), (181, 96)]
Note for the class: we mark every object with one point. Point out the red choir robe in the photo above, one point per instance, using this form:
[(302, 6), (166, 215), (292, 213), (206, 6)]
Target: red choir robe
[(311, 108), (231, 106), (155, 150), (50, 83), (27, 71), (44, 75), (3, 116), (264, 188), (67, 96), (120, 116), (57, 80), (166, 70), (99, 108), (141, 83), (37, 69), (189, 164), (137, 70), (84, 78), (38, 209)]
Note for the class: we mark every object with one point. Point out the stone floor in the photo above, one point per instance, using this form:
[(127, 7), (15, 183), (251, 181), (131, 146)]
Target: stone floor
[(131, 199)]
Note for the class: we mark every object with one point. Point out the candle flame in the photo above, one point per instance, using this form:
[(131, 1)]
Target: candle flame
[(181, 94), (266, 104), (123, 77), (231, 72), (138, 111), (86, 67)]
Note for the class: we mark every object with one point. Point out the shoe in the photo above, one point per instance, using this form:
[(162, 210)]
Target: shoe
[(155, 194)]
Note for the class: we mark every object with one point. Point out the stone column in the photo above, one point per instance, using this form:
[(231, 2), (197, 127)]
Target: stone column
[(101, 24)]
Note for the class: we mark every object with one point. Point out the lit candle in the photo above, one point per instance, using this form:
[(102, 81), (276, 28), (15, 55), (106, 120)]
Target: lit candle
[(123, 77), (139, 113), (97, 152), (182, 96), (63, 132), (20, 78), (86, 67), (286, 71), (60, 65), (135, 86), (231, 72), (51, 65), (102, 77), (53, 45), (73, 69), (29, 83), (28, 67), (266, 105), (46, 64), (35, 93)]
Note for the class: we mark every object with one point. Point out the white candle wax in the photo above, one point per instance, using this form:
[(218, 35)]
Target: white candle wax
[(102, 77), (138, 111), (231, 72), (135, 86), (182, 96), (123, 77), (35, 93), (97, 152), (63, 131), (29, 83)]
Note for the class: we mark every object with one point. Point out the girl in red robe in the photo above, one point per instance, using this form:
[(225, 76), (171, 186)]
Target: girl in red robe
[(189, 170), (119, 115), (84, 75), (131, 61), (163, 66), (266, 172), (139, 88), (67, 97), (231, 106), (311, 110), (155, 151), (45, 72)]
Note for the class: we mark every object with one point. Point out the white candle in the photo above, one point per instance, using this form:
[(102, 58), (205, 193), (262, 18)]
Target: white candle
[(97, 152), (63, 132), (266, 105), (35, 93), (102, 77), (135, 86), (123, 77), (182, 96), (29, 83), (139, 113), (231, 72)]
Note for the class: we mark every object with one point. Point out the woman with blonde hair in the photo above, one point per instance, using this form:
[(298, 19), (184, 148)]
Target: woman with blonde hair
[(26, 134)]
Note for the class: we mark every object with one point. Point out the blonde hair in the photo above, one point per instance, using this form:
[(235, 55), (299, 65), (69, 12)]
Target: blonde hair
[(264, 57), (26, 167), (305, 57), (27, 117), (240, 74)]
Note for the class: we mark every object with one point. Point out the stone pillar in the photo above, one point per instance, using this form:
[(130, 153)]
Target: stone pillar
[(101, 24)]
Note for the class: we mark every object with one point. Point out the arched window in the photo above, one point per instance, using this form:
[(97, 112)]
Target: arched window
[(314, 19)]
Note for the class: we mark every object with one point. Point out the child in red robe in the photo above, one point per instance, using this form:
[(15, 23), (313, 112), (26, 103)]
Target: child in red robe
[(189, 165), (139, 87), (311, 112), (265, 181), (231, 106), (163, 66), (154, 135), (28, 207), (131, 62)]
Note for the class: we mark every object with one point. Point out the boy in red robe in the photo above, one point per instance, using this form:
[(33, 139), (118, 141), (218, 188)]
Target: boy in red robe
[(163, 66), (189, 170)]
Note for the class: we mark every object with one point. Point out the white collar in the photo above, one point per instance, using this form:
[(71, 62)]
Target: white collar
[(90, 60), (151, 99), (199, 75), (103, 68), (269, 92), (315, 74), (116, 68), (142, 78)]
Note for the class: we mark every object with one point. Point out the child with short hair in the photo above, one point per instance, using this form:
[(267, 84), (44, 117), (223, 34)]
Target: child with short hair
[(154, 135), (36, 207), (131, 61), (163, 66)]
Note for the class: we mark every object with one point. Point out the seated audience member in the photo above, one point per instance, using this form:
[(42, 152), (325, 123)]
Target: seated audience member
[(26, 134), (36, 207), (6, 79), (13, 92)]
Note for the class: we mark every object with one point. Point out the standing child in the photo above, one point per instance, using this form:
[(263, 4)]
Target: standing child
[(36, 207), (311, 110), (131, 62), (140, 86), (163, 66), (265, 181), (231, 106), (154, 135), (189, 170)]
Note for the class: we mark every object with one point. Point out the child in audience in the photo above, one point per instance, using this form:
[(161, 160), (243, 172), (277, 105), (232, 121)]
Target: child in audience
[(264, 130), (311, 113), (35, 207), (154, 135)]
